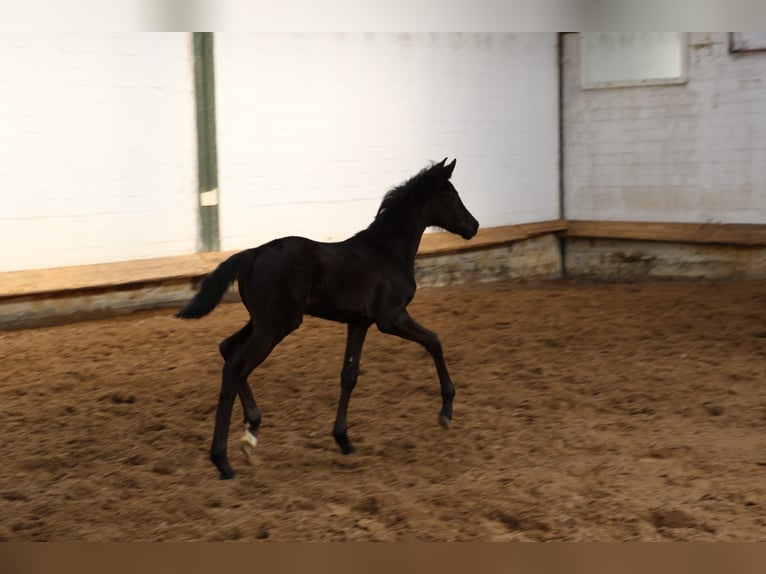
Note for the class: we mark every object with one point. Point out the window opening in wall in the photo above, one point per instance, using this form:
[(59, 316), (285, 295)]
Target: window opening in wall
[(624, 59), (747, 42)]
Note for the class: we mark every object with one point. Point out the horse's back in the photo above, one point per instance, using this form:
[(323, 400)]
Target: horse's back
[(344, 281), (279, 274)]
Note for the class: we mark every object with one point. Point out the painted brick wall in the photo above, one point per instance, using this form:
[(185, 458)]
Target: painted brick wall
[(694, 152), (313, 129), (97, 140)]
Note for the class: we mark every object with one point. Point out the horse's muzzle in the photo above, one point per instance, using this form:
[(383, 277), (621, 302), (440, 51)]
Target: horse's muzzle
[(470, 229)]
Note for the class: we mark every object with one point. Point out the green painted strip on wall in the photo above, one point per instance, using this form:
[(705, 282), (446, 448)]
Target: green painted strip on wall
[(207, 156)]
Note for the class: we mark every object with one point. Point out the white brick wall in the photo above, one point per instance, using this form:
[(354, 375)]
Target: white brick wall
[(313, 129), (694, 152), (97, 136), (97, 140)]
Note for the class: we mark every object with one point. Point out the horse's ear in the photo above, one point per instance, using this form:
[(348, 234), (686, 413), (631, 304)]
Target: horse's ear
[(440, 164), (449, 168)]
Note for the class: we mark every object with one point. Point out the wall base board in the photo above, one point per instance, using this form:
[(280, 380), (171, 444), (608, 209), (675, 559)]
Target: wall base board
[(44, 297), (629, 259), (537, 257), (66, 307)]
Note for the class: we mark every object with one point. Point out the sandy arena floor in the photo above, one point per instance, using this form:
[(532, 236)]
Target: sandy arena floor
[(584, 411)]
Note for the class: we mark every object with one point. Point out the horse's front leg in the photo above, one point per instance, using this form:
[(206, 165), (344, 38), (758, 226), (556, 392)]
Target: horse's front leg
[(406, 327), (348, 377)]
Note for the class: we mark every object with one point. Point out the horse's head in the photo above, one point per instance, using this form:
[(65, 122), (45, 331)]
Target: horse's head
[(446, 209)]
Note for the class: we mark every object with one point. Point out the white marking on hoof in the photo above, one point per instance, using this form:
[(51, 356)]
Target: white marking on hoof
[(247, 443)]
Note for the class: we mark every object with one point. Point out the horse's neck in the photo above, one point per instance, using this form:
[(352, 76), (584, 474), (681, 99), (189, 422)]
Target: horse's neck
[(407, 247), (400, 238)]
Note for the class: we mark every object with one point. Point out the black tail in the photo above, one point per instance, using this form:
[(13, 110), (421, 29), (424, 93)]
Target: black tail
[(213, 288)]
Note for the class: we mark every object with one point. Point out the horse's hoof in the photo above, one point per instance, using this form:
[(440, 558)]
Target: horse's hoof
[(222, 464), (341, 439), (248, 451), (444, 421), (247, 444)]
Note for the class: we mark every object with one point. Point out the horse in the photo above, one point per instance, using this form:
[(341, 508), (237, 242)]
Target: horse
[(366, 279)]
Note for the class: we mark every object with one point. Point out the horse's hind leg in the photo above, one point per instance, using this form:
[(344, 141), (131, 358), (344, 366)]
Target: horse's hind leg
[(252, 421), (240, 363), (229, 343), (252, 413)]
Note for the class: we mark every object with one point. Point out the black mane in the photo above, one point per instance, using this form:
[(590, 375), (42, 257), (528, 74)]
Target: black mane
[(403, 195)]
